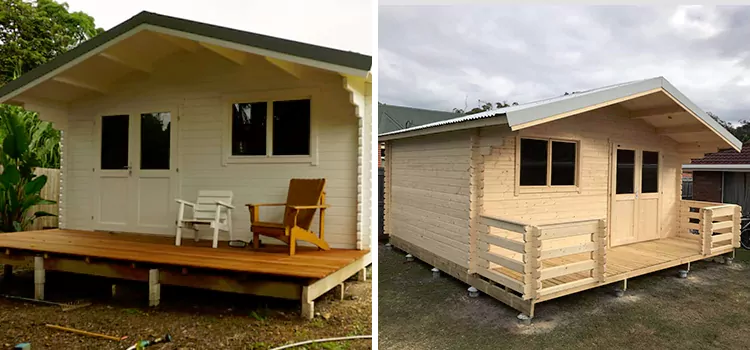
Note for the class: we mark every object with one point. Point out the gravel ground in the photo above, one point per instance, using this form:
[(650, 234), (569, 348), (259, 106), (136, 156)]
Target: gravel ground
[(196, 319)]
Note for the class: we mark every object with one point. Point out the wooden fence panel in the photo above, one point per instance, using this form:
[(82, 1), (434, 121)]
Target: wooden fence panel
[(50, 191)]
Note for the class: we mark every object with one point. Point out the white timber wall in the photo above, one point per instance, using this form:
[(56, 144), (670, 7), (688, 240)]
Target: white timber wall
[(198, 84), (594, 130), (429, 189)]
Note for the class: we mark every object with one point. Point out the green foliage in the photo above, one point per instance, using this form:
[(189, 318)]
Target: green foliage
[(19, 188), (741, 132), (32, 33), (44, 140), (483, 106)]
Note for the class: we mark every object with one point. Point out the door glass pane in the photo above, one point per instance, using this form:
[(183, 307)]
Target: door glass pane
[(114, 152), (249, 129), (155, 140), (650, 172), (533, 162), (625, 171), (563, 163), (291, 127)]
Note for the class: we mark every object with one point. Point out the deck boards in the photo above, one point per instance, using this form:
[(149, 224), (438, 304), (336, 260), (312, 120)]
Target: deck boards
[(273, 260), (623, 260)]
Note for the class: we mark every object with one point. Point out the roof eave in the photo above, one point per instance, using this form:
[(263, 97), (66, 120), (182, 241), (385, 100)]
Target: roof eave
[(498, 119)]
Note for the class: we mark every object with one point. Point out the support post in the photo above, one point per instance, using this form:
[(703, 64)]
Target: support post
[(7, 272), (600, 254), (705, 230), (736, 227), (532, 251), (338, 291), (362, 275), (154, 287), (39, 278), (308, 306)]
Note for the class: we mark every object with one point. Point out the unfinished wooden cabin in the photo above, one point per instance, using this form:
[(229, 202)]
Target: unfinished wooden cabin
[(536, 201)]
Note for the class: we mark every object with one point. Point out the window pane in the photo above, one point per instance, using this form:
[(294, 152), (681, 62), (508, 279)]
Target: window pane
[(155, 138), (115, 142), (650, 172), (291, 127), (563, 163), (533, 162), (625, 171), (249, 129)]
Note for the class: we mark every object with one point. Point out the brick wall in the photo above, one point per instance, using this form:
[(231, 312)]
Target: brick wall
[(707, 186)]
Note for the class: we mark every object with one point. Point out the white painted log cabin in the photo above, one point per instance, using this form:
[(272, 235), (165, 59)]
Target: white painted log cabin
[(159, 108), (530, 202)]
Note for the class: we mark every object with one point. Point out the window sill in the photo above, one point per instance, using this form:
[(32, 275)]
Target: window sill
[(270, 160), (547, 189)]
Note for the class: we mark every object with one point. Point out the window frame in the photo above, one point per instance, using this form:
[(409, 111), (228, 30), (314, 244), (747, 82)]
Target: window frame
[(548, 188), (269, 97)]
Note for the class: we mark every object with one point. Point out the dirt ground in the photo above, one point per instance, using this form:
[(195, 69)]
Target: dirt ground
[(196, 319), (708, 310)]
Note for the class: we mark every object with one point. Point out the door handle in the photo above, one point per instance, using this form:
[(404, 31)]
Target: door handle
[(130, 169)]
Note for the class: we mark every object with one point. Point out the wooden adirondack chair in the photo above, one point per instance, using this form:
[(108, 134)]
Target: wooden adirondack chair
[(213, 208), (305, 196)]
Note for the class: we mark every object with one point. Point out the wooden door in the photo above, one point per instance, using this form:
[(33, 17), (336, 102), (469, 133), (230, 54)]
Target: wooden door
[(137, 173), (635, 190), (154, 176), (113, 196)]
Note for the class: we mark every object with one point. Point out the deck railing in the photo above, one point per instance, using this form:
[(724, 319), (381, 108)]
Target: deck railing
[(520, 256), (715, 225)]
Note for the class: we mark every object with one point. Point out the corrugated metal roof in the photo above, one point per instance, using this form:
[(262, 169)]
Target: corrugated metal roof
[(525, 113)]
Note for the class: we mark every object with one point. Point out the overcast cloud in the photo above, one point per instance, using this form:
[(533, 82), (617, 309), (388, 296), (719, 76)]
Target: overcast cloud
[(437, 57), (341, 24)]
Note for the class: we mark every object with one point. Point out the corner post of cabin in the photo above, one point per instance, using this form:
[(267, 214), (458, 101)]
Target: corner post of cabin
[(308, 305), (39, 278), (737, 226), (154, 287), (600, 255), (475, 199), (705, 229), (387, 189), (531, 257)]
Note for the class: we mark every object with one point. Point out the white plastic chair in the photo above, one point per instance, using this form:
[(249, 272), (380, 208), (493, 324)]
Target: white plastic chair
[(213, 208)]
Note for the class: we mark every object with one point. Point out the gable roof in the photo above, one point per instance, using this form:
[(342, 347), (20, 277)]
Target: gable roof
[(534, 113), (342, 61), (392, 118)]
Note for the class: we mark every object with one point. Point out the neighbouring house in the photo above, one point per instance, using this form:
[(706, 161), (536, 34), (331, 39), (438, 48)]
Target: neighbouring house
[(159, 108), (532, 202), (722, 177), (392, 118)]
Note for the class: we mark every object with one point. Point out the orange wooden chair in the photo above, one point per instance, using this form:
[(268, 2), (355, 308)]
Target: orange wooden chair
[(305, 196)]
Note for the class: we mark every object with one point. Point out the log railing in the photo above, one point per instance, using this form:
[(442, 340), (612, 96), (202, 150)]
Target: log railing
[(520, 256), (715, 225)]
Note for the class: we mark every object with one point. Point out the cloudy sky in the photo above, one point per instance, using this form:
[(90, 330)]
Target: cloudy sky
[(438, 57), (341, 24)]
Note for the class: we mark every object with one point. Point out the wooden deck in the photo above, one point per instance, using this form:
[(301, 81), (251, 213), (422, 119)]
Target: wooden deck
[(268, 271), (623, 262)]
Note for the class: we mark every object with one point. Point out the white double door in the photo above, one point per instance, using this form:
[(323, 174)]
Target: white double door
[(136, 171)]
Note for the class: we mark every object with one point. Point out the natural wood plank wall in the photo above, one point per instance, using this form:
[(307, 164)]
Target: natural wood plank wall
[(595, 131), (430, 194)]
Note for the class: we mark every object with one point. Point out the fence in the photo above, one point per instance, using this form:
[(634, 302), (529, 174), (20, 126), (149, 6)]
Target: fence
[(50, 191)]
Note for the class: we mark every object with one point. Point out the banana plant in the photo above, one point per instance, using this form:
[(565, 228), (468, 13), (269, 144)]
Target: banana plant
[(20, 188)]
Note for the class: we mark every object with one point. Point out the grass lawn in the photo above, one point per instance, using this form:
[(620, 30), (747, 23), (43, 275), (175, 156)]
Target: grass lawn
[(708, 310)]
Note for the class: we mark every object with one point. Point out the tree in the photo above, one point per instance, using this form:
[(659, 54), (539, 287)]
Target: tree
[(32, 33), (483, 106), (741, 132)]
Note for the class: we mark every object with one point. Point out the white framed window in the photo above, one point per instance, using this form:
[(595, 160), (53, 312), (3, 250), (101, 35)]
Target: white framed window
[(270, 128)]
